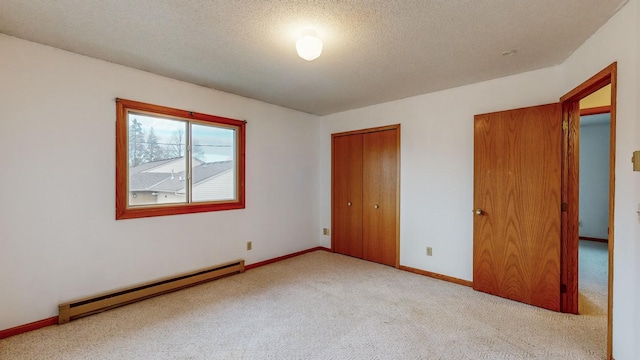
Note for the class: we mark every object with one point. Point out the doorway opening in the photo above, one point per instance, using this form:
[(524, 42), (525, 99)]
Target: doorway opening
[(572, 195), (593, 223)]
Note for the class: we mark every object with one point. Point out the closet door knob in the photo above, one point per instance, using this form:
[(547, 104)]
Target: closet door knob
[(349, 203), (376, 206)]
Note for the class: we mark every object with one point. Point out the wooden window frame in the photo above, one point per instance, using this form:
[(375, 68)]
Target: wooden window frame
[(123, 210)]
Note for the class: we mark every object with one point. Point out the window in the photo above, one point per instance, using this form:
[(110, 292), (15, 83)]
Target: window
[(171, 161)]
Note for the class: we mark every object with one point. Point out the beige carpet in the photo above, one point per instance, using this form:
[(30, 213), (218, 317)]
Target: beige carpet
[(320, 306)]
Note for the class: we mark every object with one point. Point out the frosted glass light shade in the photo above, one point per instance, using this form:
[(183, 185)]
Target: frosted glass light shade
[(309, 47)]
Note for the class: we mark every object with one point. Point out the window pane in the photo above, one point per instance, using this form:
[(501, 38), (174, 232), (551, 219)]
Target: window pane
[(156, 153), (154, 175), (213, 162)]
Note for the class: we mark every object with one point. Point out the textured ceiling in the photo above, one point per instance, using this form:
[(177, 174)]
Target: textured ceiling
[(374, 50)]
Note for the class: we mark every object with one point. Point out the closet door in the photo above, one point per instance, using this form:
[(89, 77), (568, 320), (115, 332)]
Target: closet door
[(347, 195), (380, 194)]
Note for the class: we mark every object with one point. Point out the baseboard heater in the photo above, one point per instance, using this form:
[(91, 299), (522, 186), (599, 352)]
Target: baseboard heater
[(105, 301)]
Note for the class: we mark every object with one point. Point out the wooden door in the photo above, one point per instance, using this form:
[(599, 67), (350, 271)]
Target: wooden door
[(347, 195), (380, 192), (517, 197)]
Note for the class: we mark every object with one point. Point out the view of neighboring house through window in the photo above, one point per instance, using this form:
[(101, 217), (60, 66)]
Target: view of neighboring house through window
[(177, 161)]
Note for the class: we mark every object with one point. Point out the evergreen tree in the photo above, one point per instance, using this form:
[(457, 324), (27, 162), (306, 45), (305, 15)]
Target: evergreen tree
[(136, 143), (153, 151)]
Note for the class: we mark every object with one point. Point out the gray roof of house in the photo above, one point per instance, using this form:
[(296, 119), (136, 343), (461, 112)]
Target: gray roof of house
[(150, 165), (139, 180)]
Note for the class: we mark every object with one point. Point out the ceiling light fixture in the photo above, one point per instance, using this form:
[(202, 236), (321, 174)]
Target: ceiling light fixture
[(309, 47)]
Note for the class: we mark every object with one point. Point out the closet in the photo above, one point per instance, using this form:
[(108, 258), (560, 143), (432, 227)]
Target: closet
[(365, 194)]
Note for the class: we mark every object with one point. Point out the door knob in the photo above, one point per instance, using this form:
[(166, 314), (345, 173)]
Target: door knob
[(478, 212), (375, 206), (349, 203)]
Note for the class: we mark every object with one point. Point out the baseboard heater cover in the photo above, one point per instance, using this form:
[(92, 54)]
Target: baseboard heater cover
[(101, 302)]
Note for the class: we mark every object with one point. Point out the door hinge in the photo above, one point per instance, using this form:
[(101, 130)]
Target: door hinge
[(564, 207), (563, 288), (565, 125)]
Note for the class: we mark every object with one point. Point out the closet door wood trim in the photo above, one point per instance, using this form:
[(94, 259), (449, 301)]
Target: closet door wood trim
[(369, 130), (397, 184), (379, 194), (346, 195)]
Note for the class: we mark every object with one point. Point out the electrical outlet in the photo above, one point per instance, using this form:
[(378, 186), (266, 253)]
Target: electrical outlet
[(248, 245), (325, 231), (429, 251)]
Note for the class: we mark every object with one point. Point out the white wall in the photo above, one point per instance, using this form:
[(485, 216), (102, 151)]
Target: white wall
[(437, 161), (594, 180), (57, 121)]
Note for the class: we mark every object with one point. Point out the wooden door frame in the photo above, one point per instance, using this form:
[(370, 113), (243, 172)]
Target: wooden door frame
[(570, 191), (364, 131)]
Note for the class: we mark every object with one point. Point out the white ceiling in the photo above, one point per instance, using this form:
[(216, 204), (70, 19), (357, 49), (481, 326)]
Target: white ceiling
[(374, 50)]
